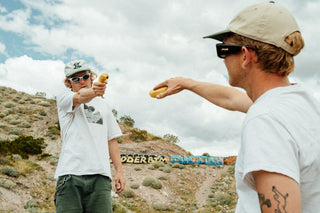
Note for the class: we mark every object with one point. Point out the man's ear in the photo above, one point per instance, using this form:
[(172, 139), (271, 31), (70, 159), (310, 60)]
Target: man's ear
[(248, 57)]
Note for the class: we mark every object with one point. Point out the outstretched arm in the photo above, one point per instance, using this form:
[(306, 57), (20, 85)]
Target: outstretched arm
[(85, 95), (223, 96)]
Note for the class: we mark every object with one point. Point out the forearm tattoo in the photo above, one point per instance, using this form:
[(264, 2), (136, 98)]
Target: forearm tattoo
[(281, 201)]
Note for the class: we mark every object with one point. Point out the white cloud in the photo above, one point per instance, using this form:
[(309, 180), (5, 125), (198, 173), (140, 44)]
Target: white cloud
[(26, 74), (16, 21)]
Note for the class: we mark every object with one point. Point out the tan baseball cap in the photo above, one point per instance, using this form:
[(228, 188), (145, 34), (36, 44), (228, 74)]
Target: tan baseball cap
[(266, 22), (75, 66)]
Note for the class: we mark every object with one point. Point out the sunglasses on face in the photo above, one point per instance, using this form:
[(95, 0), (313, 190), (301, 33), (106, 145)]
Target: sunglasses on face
[(77, 79), (226, 49)]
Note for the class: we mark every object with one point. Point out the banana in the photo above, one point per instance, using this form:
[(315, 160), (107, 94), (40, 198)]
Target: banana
[(103, 78), (154, 93)]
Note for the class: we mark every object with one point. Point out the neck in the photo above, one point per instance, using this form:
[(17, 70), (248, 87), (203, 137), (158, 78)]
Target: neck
[(261, 82)]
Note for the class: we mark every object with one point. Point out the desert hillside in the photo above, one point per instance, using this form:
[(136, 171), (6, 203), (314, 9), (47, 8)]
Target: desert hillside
[(29, 151)]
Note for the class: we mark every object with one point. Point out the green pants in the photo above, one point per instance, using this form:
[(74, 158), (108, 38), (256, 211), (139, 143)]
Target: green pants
[(83, 194)]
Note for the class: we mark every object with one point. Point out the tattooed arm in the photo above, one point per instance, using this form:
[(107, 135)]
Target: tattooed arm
[(277, 193)]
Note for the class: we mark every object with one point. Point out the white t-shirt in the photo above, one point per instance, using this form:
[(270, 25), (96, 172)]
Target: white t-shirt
[(281, 133), (85, 132)]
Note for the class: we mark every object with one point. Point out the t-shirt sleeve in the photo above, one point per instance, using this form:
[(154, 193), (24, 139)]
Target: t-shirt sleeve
[(114, 130), (268, 145), (65, 101)]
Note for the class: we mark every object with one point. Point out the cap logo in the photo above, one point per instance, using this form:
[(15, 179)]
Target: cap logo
[(224, 49), (77, 65)]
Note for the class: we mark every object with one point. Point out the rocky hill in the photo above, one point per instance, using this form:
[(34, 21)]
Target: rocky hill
[(27, 183)]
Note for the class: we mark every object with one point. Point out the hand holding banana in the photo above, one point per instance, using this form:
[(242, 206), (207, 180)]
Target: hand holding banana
[(103, 78), (154, 93), (170, 87)]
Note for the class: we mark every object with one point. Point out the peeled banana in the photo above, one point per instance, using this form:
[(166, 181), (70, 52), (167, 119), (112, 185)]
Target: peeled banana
[(154, 93)]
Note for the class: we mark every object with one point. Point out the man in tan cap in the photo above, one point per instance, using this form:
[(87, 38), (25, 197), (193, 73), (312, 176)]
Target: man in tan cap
[(278, 165)]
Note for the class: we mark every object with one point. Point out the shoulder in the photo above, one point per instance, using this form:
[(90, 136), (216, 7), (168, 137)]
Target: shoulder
[(64, 94), (280, 101)]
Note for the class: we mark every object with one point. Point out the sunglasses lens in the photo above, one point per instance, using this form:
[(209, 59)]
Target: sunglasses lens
[(226, 49), (221, 55), (75, 79), (86, 76)]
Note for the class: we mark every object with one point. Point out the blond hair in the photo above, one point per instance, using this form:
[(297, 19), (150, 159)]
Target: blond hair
[(273, 59), (67, 83)]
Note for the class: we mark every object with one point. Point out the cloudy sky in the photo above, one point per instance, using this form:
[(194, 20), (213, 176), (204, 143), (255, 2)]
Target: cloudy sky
[(141, 43)]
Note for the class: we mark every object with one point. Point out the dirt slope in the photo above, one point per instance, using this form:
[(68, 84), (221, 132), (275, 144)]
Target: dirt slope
[(190, 188)]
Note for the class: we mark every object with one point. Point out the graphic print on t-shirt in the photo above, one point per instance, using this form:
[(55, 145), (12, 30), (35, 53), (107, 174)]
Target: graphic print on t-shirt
[(92, 115)]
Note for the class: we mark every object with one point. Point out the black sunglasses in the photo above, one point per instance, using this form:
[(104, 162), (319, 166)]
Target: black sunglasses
[(226, 49), (77, 79)]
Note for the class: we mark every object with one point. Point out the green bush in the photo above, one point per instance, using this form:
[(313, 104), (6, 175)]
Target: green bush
[(9, 184), (171, 138), (157, 164), (15, 122), (119, 140), (222, 199), (42, 113), (155, 138), (4, 161), (156, 185), (11, 118), (15, 132), (23, 145), (10, 171), (162, 207), (138, 135), (9, 105), (147, 181), (211, 196), (127, 120), (53, 130), (31, 204), (115, 113), (165, 169), (53, 160), (137, 168), (134, 186), (127, 193), (178, 165), (163, 178), (25, 124), (182, 209)]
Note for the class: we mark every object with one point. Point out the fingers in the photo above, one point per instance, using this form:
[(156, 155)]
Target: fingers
[(175, 85), (99, 88), (119, 185), (162, 95), (163, 84)]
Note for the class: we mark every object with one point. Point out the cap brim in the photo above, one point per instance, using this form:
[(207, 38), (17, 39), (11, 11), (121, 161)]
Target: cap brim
[(76, 71), (220, 36)]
